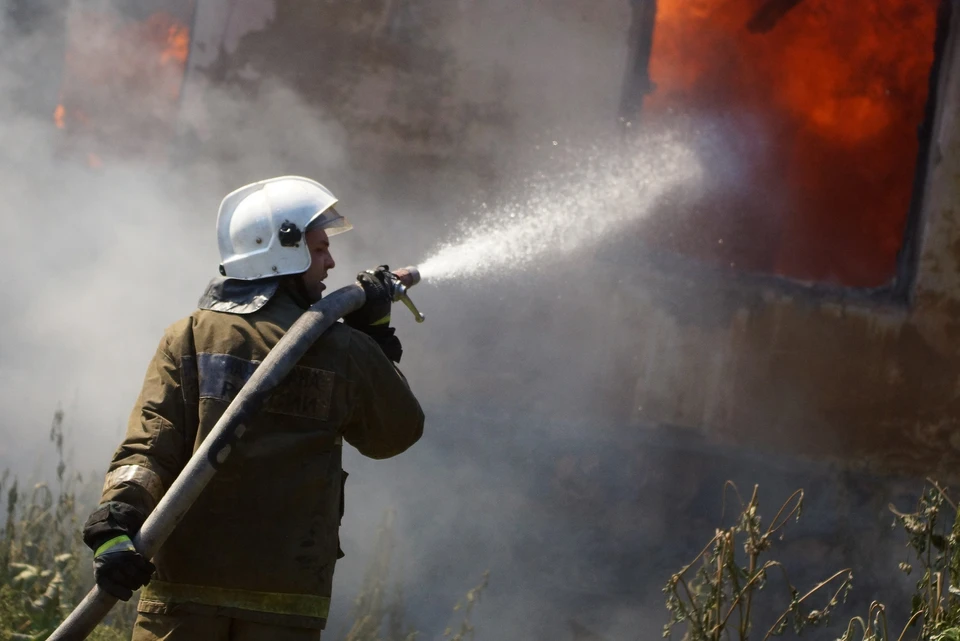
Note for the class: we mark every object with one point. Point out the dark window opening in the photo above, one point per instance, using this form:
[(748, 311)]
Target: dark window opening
[(806, 114)]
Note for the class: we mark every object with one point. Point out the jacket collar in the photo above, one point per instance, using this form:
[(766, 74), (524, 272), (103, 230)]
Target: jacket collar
[(235, 296)]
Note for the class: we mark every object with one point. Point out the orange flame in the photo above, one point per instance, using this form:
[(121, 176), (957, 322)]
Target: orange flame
[(836, 91), (122, 83), (177, 45)]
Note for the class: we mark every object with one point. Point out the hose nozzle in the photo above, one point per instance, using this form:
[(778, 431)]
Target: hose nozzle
[(409, 276), (406, 278)]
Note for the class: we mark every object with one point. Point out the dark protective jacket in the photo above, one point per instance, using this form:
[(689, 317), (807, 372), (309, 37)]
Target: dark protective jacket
[(262, 540)]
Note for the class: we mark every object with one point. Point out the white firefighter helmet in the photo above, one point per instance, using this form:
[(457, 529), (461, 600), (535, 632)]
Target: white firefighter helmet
[(260, 227)]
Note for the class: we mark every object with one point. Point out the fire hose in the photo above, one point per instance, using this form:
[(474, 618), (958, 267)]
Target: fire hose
[(217, 445)]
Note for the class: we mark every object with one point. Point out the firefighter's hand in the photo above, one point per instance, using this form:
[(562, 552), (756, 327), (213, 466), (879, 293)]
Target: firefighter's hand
[(376, 310), (373, 319), (120, 569)]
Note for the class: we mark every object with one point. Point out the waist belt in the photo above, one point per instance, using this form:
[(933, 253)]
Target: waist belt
[(306, 605)]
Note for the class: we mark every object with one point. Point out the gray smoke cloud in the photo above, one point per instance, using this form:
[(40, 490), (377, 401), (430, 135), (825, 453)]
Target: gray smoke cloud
[(526, 467), (101, 259)]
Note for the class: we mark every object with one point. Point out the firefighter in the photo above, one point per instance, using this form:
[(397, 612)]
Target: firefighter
[(254, 557)]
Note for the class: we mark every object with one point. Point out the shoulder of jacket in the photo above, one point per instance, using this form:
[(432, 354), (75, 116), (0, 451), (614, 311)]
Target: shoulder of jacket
[(204, 322), (177, 336), (361, 348), (346, 340), (340, 336)]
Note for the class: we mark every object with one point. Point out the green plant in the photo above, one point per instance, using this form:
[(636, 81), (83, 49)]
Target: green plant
[(933, 535), (719, 600), (934, 538)]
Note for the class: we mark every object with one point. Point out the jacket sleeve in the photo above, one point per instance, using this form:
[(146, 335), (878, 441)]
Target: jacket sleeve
[(385, 418), (156, 446)]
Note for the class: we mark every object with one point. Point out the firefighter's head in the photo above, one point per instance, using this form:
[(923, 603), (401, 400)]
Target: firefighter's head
[(279, 227)]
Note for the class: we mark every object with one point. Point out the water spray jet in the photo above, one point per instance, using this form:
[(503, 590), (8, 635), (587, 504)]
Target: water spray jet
[(608, 190)]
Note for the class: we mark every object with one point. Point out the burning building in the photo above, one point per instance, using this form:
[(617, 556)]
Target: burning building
[(831, 226), (823, 102)]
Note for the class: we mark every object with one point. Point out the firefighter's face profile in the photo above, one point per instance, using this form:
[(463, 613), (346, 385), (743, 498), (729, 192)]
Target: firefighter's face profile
[(321, 262)]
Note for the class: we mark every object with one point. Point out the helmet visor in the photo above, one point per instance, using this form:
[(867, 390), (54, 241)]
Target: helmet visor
[(330, 221)]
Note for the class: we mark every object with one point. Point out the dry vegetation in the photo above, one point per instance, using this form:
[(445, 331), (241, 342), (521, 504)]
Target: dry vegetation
[(45, 569), (44, 566), (719, 596), (716, 596)]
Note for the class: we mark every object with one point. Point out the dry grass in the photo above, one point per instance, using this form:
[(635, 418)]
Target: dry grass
[(720, 598), (45, 569)]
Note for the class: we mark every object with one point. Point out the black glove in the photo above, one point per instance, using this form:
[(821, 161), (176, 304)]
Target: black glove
[(373, 319), (119, 569), (376, 310)]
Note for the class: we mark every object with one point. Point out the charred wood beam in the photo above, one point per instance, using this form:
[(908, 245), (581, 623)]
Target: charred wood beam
[(769, 14), (928, 155), (636, 82)]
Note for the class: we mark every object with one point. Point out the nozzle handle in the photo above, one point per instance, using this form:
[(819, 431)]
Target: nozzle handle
[(405, 299)]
